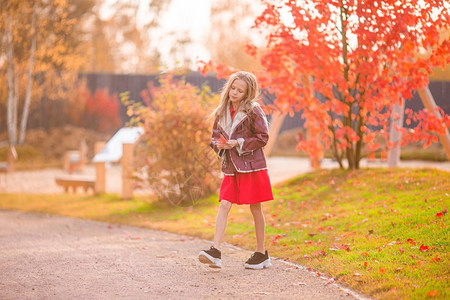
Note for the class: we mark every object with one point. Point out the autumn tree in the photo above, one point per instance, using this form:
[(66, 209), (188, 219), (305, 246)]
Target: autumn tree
[(345, 63), (39, 44), (122, 40)]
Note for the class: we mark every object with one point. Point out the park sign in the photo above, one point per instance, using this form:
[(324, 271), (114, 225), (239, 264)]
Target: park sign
[(113, 150)]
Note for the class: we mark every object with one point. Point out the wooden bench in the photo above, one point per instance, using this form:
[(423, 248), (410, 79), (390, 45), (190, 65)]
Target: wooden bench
[(71, 182)]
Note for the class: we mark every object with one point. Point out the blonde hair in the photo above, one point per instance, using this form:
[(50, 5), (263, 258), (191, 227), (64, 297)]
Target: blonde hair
[(251, 94)]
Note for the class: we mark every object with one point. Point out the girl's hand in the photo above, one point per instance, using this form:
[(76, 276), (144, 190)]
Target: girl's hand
[(228, 145)]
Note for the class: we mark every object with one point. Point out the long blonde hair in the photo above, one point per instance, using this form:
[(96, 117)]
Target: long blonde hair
[(251, 94)]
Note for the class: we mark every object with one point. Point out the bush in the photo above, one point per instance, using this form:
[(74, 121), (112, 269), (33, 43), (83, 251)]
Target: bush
[(177, 163), (102, 111)]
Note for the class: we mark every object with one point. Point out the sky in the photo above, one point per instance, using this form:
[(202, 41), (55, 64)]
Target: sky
[(191, 17)]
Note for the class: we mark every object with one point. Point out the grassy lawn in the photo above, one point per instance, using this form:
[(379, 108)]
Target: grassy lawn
[(383, 232)]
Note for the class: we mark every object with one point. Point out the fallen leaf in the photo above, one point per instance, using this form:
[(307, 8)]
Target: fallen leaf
[(411, 241), (331, 280), (432, 293), (299, 283), (262, 293), (423, 248), (436, 259)]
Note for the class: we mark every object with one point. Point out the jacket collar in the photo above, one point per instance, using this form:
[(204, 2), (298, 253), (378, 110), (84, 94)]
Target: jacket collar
[(229, 126)]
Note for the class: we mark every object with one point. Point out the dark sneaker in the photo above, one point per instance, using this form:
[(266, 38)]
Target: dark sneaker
[(213, 257), (258, 261)]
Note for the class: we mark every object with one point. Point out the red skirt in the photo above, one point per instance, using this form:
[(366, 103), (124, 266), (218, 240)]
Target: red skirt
[(246, 188)]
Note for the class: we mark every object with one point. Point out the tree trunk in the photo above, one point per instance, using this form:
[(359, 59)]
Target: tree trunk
[(26, 105), (395, 136), (312, 134), (274, 129), (11, 119)]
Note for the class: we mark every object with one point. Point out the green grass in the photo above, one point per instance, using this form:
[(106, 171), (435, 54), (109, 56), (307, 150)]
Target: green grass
[(383, 232)]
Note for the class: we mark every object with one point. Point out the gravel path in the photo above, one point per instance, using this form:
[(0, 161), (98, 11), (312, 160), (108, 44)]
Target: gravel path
[(51, 257)]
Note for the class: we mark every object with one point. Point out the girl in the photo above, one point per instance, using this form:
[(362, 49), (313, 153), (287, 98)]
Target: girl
[(240, 132)]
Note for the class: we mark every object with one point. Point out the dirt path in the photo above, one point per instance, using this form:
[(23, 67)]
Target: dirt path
[(51, 257)]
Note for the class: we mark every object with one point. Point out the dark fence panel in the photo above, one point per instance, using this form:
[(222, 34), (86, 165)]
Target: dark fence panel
[(43, 115)]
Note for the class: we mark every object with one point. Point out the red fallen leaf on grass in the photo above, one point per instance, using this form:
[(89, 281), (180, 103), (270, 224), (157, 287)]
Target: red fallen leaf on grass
[(382, 270), (275, 238), (423, 248), (344, 247), (411, 242), (401, 250), (432, 293), (365, 264), (436, 259), (441, 213)]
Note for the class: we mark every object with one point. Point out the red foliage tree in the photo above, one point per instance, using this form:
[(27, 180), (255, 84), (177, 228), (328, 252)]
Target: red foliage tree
[(345, 63), (102, 110)]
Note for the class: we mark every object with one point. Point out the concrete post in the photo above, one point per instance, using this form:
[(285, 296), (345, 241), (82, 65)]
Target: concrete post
[(100, 170), (127, 171), (100, 177)]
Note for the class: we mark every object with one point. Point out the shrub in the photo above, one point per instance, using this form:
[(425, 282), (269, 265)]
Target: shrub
[(102, 111), (177, 163)]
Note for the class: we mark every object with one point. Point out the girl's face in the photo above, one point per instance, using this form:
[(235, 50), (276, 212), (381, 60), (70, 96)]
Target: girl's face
[(237, 91)]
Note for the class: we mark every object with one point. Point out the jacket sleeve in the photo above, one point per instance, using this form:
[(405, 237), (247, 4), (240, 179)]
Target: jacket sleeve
[(215, 135), (260, 132)]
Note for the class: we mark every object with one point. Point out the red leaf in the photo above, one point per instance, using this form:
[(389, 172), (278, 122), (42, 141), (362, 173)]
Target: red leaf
[(222, 139), (411, 242), (423, 248), (432, 293), (436, 259)]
